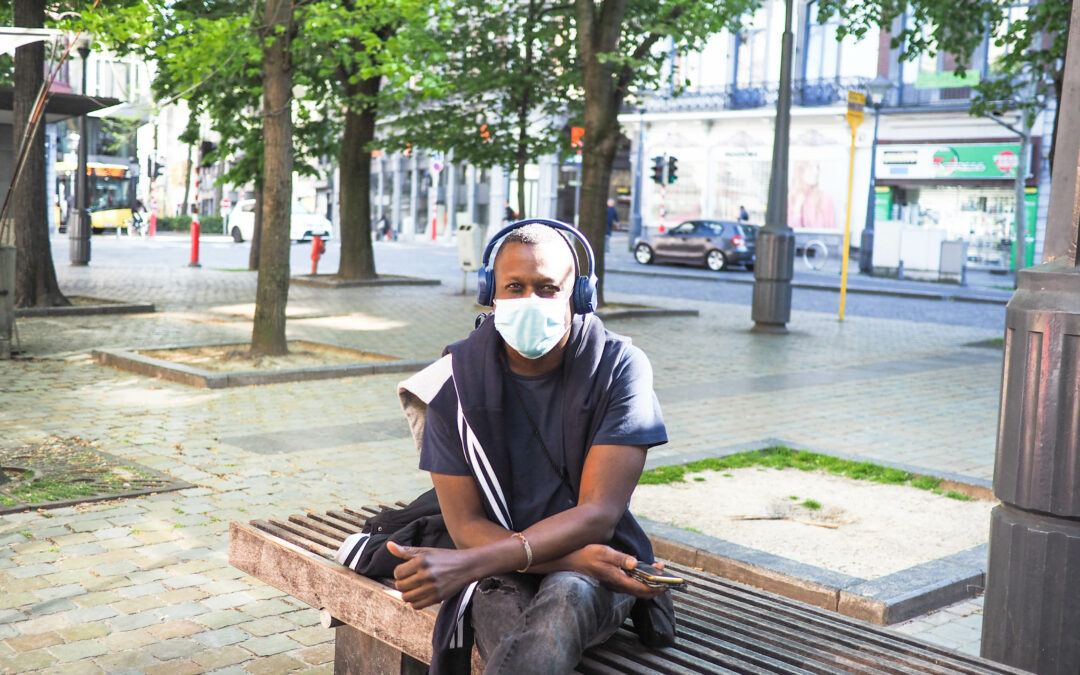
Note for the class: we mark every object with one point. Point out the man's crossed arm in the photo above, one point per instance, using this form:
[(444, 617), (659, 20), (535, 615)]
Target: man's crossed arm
[(573, 540)]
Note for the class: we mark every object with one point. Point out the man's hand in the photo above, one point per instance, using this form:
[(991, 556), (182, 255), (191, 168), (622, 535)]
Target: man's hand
[(608, 566), (430, 575)]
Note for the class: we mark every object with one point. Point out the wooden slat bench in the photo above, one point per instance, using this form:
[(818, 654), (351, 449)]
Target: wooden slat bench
[(723, 627)]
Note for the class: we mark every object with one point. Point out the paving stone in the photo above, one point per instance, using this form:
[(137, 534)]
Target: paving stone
[(45, 624), (266, 646), (221, 657), (29, 662), (140, 590), (90, 614), (317, 655), (177, 648), (33, 571), (223, 618), (8, 616), (89, 525), (97, 598), (175, 668), (186, 581), (305, 617), (141, 604), (12, 600), (132, 639), (27, 643), (182, 595), (174, 629), (312, 635), (132, 621), (51, 607), (84, 631), (147, 576), (273, 665), (222, 637), (184, 610), (227, 601), (267, 626), (130, 661), (268, 608), (76, 651), (55, 592)]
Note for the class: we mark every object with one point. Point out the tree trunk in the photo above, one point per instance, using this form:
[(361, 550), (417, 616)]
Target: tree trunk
[(35, 275), (357, 256), (598, 34), (256, 230), (272, 293)]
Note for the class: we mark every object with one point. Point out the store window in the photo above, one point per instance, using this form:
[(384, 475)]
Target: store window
[(822, 60)]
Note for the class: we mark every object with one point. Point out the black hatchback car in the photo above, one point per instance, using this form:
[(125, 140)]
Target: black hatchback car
[(713, 243)]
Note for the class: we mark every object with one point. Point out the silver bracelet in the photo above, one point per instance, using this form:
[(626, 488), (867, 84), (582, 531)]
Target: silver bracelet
[(528, 551)]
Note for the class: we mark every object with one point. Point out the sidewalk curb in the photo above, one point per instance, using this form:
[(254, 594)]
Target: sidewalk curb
[(914, 295), (129, 360), (85, 310), (884, 601), (330, 281)]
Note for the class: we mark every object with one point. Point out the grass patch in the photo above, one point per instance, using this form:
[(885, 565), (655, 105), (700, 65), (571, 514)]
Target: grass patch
[(780, 457), (812, 504)]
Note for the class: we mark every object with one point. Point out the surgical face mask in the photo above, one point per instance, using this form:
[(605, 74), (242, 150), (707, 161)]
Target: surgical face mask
[(531, 326)]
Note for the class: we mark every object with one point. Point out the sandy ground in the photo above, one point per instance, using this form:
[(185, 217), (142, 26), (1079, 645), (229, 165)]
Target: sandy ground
[(238, 358), (863, 529)]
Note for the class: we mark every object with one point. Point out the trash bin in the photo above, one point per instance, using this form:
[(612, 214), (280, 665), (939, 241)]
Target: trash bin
[(470, 246)]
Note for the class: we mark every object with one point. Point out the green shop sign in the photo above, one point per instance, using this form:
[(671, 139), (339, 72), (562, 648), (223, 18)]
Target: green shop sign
[(951, 162), (946, 80)]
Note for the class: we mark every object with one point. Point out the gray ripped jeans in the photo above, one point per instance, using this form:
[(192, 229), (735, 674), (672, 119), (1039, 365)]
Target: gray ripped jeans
[(526, 623)]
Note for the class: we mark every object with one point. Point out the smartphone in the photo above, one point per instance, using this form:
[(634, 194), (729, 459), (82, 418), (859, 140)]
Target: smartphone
[(651, 576)]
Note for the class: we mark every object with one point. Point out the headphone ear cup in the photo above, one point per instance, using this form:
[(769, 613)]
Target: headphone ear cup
[(485, 287), (583, 300)]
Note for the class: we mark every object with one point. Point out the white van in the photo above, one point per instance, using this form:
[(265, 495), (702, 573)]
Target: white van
[(303, 225)]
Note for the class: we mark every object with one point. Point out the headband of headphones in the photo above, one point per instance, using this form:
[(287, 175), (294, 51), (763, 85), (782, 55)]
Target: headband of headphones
[(583, 298)]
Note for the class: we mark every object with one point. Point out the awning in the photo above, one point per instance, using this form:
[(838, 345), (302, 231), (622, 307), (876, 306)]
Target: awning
[(12, 38), (59, 107)]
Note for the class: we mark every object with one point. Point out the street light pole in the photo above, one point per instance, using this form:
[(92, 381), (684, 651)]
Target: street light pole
[(878, 88), (79, 235), (1032, 602), (771, 309), (639, 169)]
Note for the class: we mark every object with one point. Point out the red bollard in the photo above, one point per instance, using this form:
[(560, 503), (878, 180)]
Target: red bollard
[(318, 247), (194, 242)]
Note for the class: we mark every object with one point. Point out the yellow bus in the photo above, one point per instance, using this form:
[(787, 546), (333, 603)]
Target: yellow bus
[(110, 193)]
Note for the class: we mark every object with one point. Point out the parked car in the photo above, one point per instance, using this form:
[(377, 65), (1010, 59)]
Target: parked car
[(303, 225), (713, 243)]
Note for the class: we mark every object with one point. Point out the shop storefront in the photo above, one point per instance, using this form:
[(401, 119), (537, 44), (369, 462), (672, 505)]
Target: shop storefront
[(967, 190)]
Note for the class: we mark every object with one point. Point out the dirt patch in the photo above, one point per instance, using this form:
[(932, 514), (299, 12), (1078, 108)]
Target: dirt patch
[(855, 527), (238, 358), (66, 471)]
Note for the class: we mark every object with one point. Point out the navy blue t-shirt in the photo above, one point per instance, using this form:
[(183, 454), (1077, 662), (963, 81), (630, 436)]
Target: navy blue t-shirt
[(632, 417)]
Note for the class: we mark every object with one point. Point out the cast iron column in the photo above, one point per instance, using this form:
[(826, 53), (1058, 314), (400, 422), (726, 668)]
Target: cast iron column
[(776, 242), (79, 235), (1032, 605), (866, 243)]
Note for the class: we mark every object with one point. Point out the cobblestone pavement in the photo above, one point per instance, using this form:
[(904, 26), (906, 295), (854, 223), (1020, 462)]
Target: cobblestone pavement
[(143, 585)]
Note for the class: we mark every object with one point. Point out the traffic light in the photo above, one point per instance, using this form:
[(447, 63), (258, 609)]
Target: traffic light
[(158, 170), (658, 170), (672, 168)]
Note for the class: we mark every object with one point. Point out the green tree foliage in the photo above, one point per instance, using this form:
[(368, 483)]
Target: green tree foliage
[(1033, 42), (500, 84), (621, 48)]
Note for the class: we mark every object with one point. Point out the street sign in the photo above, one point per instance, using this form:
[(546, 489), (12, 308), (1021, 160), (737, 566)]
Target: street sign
[(856, 101), (226, 204), (436, 162)]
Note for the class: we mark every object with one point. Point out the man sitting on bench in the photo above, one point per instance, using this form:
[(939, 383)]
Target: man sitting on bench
[(535, 435)]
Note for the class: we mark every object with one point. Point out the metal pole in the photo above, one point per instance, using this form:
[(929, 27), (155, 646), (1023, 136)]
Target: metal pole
[(771, 309), (866, 242), (79, 235), (1021, 202), (639, 170), (1032, 602)]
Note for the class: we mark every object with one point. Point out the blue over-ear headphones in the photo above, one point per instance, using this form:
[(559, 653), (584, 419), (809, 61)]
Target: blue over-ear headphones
[(583, 298)]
